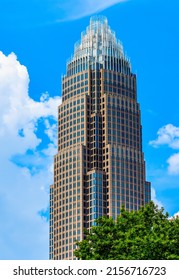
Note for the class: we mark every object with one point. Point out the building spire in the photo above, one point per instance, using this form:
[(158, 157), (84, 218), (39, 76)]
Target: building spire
[(98, 40), (98, 44)]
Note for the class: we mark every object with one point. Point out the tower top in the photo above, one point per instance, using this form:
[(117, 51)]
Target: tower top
[(98, 45), (97, 41)]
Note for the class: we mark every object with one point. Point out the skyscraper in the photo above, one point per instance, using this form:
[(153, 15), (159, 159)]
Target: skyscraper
[(100, 164)]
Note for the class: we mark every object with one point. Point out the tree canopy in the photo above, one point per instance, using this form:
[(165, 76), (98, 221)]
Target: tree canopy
[(146, 234)]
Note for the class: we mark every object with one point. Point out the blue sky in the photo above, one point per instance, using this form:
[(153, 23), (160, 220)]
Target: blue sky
[(37, 37)]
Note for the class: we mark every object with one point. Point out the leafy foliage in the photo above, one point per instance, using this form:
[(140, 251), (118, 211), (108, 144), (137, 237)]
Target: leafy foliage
[(146, 234)]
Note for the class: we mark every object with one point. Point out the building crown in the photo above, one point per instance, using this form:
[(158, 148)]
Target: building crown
[(98, 44)]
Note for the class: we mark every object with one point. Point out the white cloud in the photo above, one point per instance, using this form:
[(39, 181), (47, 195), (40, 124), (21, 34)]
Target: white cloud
[(37, 12), (173, 162), (19, 112), (176, 214), (167, 135), (154, 198), (51, 130), (75, 9), (25, 162)]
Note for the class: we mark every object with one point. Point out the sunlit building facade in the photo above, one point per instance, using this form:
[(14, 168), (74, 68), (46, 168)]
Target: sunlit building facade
[(100, 163)]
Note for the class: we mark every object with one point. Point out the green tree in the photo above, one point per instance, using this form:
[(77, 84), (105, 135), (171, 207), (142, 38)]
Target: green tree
[(146, 234)]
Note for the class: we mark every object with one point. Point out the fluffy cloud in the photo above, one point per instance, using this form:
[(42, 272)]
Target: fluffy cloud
[(25, 163), (176, 214), (154, 198), (169, 135), (173, 162), (19, 113)]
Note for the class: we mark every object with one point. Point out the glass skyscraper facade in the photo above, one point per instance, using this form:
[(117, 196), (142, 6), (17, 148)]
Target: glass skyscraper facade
[(100, 163)]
